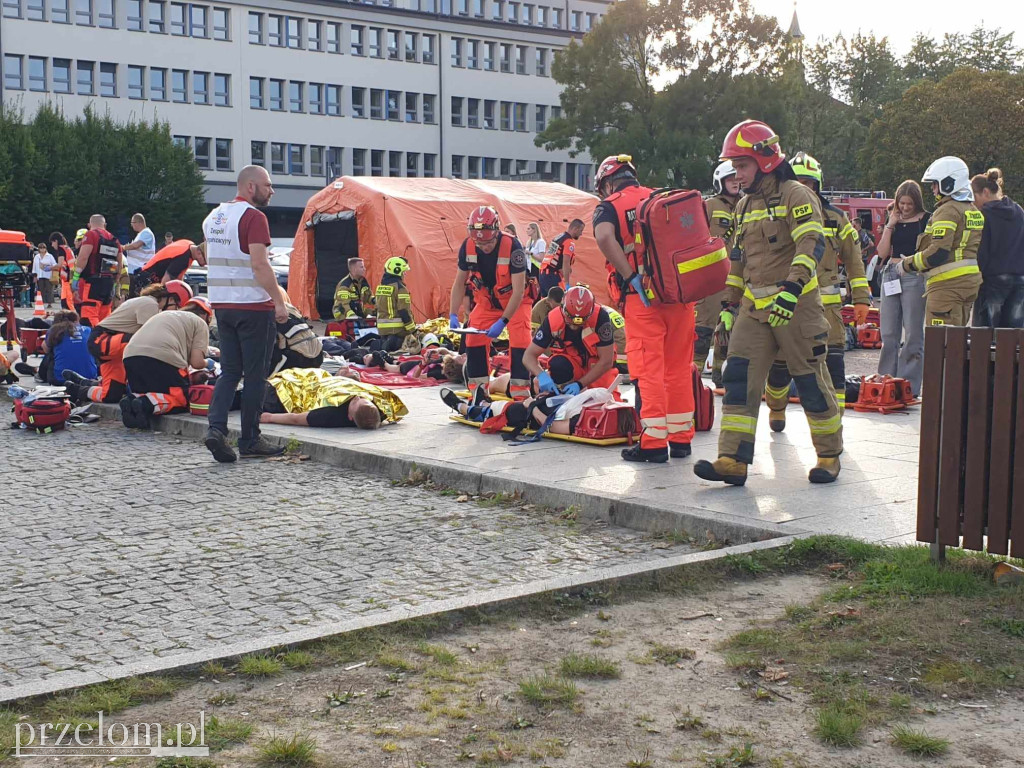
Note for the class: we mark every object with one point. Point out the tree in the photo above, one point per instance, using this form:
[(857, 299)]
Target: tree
[(977, 116), (989, 50)]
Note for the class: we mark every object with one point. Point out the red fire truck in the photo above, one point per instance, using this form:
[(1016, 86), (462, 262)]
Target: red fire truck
[(869, 207)]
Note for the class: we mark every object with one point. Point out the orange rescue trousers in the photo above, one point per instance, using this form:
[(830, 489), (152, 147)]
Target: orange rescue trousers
[(478, 348), (95, 301), (108, 349)]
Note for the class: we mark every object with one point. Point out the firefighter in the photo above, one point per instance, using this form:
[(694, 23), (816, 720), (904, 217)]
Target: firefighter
[(556, 269), (778, 245), (580, 336), (394, 305), (842, 246), (353, 298), (659, 338), (98, 265), (619, 337), (947, 252), (495, 266), (542, 307), (709, 309)]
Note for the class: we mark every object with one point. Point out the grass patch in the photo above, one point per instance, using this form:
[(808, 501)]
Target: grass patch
[(214, 669), (669, 655), (918, 743), (438, 653), (299, 750), (838, 727), (259, 665), (298, 659), (221, 699), (588, 665), (112, 697), (221, 734), (394, 662), (546, 692)]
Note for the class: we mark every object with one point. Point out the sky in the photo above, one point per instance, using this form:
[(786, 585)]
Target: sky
[(899, 20)]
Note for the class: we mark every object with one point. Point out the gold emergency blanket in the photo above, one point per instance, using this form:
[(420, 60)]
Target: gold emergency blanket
[(306, 389)]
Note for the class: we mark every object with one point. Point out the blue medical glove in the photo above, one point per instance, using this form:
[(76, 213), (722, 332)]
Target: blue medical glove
[(453, 322), (572, 388), (495, 330), (545, 383), (210, 363), (637, 283)]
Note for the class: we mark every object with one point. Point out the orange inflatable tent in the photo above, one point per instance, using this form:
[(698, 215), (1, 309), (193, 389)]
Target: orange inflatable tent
[(424, 221)]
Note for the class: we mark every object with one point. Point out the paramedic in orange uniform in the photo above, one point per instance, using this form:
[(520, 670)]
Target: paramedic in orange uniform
[(581, 339), (99, 262), (659, 337), (493, 267)]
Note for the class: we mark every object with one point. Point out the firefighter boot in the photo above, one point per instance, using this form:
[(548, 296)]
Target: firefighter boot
[(723, 470), (679, 450), (777, 420), (825, 471), (652, 455)]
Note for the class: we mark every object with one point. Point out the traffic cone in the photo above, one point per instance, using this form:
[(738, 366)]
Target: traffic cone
[(39, 310)]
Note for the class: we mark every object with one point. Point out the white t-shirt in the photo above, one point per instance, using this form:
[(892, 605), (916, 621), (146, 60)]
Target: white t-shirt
[(136, 258), (43, 265), (538, 251)]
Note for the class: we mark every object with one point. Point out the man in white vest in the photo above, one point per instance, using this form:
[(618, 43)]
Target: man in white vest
[(248, 304)]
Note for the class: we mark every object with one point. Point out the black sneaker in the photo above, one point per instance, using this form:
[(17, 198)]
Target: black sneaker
[(652, 455), (76, 378), (142, 408), (679, 450), (261, 450), (449, 398), (74, 390), (25, 369), (217, 443), (378, 359), (128, 417), (480, 396)]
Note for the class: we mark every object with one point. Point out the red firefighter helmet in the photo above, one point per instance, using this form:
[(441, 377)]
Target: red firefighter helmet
[(755, 139), (203, 305), (180, 290), (611, 166), (578, 305), (483, 224)]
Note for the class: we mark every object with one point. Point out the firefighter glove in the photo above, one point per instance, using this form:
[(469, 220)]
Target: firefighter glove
[(572, 388), (727, 317), (860, 314), (545, 383), (784, 306), (637, 284), (495, 330), (453, 322)]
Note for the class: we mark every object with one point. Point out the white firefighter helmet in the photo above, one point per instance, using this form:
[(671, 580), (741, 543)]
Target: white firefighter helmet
[(722, 172), (950, 173)]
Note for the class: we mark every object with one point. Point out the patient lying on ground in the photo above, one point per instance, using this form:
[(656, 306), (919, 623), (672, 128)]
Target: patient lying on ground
[(311, 397)]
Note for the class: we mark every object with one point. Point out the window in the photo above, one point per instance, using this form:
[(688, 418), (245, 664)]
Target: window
[(36, 73), (457, 111), (108, 80), (376, 42), (256, 93), (12, 9), (358, 102), (457, 166), (157, 84), (314, 35), (197, 24), (456, 51), (542, 62), (542, 16), (576, 17), (376, 162), (489, 123), (376, 104), (62, 75), (60, 11), (136, 82), (294, 32), (202, 151), (296, 100), (276, 96), (179, 85), (411, 38), (297, 159), (556, 112), (428, 49), (506, 116), (506, 167), (520, 116), (223, 150), (474, 168), (394, 163), (356, 34), (358, 162), (556, 18), (179, 19), (182, 141), (412, 163), (201, 87), (277, 151), (86, 70), (83, 12), (463, 7), (275, 30), (258, 152), (527, 14), (221, 24), (135, 16), (489, 59), (473, 113), (498, 10), (428, 108), (316, 161), (541, 119), (430, 166), (255, 28), (333, 162), (334, 100), (591, 21), (506, 57), (412, 107), (13, 74), (513, 13), (489, 163), (473, 54), (394, 52), (478, 8), (520, 59), (316, 98), (157, 16), (333, 37), (522, 167), (222, 90)]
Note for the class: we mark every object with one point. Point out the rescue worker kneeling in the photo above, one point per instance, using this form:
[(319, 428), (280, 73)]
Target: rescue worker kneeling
[(353, 297), (297, 345), (157, 360), (312, 397), (394, 305), (778, 244), (580, 336)]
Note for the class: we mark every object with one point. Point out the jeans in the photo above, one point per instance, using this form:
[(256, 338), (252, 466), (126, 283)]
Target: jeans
[(903, 330), (246, 343), (1000, 302), (547, 281)]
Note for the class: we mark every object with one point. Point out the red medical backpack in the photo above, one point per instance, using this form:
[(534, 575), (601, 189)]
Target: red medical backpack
[(703, 402), (199, 398), (683, 261), (43, 416)]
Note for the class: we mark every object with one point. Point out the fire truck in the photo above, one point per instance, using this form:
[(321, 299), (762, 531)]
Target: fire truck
[(869, 207)]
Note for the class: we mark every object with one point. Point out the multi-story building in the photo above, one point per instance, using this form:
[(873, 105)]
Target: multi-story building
[(312, 90)]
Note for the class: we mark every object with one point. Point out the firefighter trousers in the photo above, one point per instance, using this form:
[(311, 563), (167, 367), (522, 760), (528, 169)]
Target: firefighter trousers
[(659, 348), (753, 347), (708, 311), (108, 349), (478, 348), (776, 392), (949, 302)]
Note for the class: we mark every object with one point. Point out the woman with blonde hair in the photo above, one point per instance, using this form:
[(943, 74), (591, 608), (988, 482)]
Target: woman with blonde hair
[(1000, 302), (536, 248), (903, 304)]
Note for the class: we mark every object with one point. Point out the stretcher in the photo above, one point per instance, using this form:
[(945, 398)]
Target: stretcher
[(393, 380), (566, 438)]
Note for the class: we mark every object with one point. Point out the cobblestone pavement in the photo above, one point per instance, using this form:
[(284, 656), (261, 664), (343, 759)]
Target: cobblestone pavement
[(117, 547)]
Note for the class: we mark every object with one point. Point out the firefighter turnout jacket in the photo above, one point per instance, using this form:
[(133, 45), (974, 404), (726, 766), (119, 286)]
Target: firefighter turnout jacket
[(842, 246), (353, 298), (394, 307), (948, 249)]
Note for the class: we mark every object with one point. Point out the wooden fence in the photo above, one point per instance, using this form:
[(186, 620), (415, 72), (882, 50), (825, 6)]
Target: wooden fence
[(971, 481)]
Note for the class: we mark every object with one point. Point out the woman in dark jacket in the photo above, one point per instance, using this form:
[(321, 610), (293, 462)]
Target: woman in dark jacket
[(1000, 302)]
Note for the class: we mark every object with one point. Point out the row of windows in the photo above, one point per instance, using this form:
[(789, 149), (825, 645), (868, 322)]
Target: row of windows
[(200, 146), (36, 73), (511, 115), (325, 99), (495, 57), (157, 16), (285, 158)]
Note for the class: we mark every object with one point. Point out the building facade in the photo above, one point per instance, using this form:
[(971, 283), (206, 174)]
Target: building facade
[(311, 90)]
